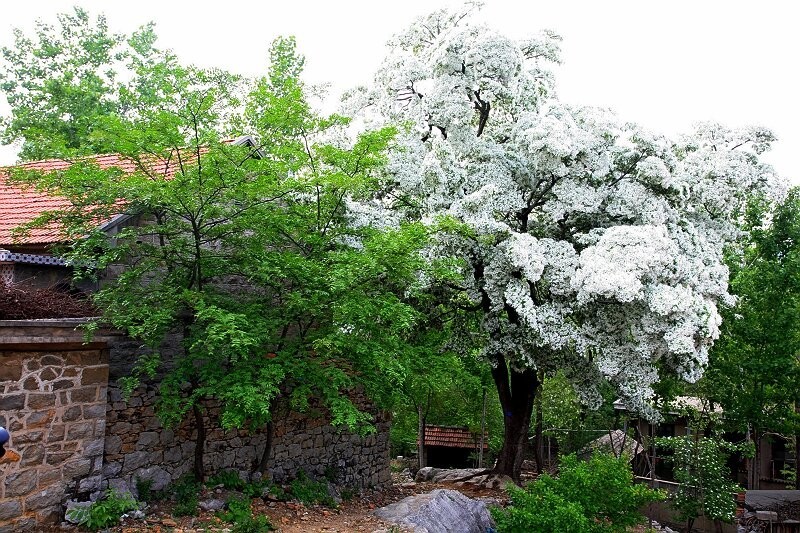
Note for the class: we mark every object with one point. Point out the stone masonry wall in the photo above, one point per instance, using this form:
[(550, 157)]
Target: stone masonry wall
[(137, 446), (54, 403), (77, 436)]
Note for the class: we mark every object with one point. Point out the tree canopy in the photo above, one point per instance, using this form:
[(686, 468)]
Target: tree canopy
[(242, 247), (754, 368), (60, 81), (586, 245)]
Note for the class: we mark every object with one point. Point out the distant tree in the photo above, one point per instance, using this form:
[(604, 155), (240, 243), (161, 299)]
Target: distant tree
[(585, 244), (754, 369), (63, 79)]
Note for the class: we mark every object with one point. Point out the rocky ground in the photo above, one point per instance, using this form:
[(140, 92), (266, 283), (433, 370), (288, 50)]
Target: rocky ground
[(352, 515)]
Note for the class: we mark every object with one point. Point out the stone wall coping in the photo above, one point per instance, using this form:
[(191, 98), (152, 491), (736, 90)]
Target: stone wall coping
[(46, 322), (50, 331)]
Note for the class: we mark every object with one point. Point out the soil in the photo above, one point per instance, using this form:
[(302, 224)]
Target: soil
[(353, 516)]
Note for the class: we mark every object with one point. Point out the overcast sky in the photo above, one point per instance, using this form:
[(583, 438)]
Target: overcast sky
[(664, 64)]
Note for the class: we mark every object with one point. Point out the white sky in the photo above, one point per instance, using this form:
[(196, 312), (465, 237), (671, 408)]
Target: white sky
[(664, 64)]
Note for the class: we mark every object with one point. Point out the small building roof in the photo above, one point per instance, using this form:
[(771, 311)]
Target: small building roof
[(453, 437), (20, 204)]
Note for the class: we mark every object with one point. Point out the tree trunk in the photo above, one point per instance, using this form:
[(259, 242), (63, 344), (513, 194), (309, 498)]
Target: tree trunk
[(200, 444), (537, 435), (263, 464), (517, 391), (421, 417), (755, 475)]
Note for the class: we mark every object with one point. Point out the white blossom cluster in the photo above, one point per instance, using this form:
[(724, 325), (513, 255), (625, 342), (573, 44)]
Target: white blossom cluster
[(597, 244)]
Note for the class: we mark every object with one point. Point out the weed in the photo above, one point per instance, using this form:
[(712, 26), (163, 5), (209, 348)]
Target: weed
[(331, 473), (309, 492), (348, 493), (144, 488), (240, 515), (238, 508), (187, 496), (103, 513), (227, 478), (253, 524)]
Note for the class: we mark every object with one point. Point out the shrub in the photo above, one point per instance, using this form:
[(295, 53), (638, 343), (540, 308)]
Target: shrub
[(227, 478), (187, 496), (699, 465), (240, 515), (103, 513), (309, 492), (596, 496)]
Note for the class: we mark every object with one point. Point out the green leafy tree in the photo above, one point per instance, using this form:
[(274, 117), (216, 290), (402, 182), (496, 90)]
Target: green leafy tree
[(243, 248), (60, 81), (754, 368)]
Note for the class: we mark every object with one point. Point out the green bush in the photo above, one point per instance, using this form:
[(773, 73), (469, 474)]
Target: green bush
[(596, 496), (309, 492), (229, 479), (240, 515), (103, 513), (699, 465), (187, 496)]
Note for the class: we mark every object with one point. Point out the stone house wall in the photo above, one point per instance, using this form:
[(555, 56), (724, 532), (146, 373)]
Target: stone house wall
[(53, 402), (77, 436)]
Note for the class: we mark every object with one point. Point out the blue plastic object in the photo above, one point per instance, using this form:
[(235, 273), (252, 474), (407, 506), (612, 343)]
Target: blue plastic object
[(4, 435)]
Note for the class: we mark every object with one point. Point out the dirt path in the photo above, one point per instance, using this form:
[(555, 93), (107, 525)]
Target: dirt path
[(354, 516)]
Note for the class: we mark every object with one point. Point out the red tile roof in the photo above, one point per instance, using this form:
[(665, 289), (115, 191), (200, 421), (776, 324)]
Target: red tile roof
[(20, 203), (453, 437)]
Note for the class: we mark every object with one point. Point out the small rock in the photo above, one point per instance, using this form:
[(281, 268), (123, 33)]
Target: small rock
[(212, 505)]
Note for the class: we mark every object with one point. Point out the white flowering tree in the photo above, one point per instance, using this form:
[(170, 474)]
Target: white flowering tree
[(586, 244)]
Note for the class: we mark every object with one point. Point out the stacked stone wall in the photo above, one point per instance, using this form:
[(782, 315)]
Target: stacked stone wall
[(137, 446), (77, 436), (54, 404)]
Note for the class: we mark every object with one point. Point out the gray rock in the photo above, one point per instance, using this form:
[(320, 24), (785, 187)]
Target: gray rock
[(442, 475), (212, 505), (439, 511), (160, 478)]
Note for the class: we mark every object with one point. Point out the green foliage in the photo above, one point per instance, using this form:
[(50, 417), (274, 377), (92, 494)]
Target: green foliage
[(145, 492), (248, 251), (753, 369), (595, 496), (186, 492), (63, 81), (105, 512), (240, 515), (699, 465), (571, 423), (310, 492), (229, 479), (348, 493)]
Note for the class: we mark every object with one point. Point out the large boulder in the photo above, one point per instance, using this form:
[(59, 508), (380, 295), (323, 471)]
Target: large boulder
[(439, 511)]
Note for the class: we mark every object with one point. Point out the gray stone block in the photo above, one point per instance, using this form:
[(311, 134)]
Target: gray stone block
[(10, 509), (135, 460), (20, 483)]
